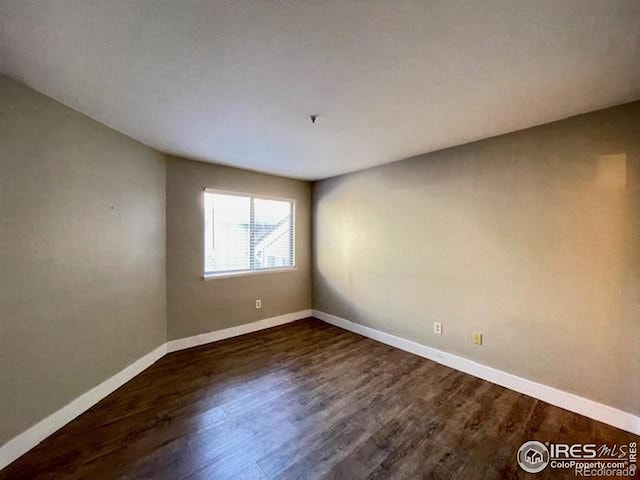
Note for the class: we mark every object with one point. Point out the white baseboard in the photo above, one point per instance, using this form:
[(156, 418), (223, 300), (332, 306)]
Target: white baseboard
[(21, 444), (569, 401), (28, 439), (188, 342)]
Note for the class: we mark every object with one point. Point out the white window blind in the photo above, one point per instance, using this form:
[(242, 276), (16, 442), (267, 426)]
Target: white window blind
[(244, 233)]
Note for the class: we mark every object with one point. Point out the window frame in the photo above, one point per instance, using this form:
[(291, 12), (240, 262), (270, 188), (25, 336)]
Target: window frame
[(246, 272)]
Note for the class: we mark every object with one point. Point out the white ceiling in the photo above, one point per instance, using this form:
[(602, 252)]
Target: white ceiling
[(234, 81)]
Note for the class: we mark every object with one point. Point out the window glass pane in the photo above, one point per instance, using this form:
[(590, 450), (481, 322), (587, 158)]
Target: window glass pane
[(273, 233), (227, 219), (243, 233)]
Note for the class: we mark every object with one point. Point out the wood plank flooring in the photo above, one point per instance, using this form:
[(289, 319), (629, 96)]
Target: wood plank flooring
[(306, 400)]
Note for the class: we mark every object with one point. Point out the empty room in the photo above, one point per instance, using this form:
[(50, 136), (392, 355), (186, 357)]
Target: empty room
[(319, 239)]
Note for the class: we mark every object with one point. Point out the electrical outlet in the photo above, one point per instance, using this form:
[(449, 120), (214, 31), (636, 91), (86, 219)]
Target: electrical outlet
[(437, 328), (477, 338), (258, 303)]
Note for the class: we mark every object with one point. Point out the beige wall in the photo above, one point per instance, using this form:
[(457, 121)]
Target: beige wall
[(195, 306), (83, 277), (82, 246), (532, 238)]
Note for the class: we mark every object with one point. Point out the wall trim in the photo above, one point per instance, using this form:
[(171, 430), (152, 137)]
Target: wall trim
[(25, 441), (31, 437), (569, 401), (217, 335)]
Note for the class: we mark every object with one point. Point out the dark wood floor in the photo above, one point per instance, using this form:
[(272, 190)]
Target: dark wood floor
[(306, 400)]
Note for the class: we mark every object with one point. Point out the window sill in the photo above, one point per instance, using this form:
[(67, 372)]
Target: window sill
[(246, 273)]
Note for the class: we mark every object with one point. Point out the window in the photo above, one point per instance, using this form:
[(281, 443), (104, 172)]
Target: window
[(247, 234)]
